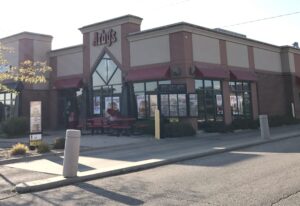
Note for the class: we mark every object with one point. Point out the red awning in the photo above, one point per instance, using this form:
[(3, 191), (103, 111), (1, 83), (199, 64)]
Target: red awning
[(75, 82), (211, 73), (155, 73), (243, 75)]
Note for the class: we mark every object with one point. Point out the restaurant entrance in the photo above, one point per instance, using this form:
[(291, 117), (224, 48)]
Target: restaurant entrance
[(69, 107)]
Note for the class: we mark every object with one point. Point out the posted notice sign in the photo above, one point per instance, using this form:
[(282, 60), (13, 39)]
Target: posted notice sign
[(35, 137)]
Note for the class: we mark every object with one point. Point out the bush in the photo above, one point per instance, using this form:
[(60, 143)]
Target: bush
[(178, 129), (275, 121), (19, 149), (244, 124), (43, 148), (146, 126), (59, 143), (15, 126), (215, 127)]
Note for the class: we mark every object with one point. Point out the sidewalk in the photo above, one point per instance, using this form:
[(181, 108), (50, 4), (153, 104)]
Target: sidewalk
[(142, 153)]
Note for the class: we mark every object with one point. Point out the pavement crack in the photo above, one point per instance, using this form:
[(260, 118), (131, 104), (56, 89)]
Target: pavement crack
[(285, 197), (13, 194)]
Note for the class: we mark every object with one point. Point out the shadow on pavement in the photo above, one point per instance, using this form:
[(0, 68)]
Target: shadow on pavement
[(110, 195)]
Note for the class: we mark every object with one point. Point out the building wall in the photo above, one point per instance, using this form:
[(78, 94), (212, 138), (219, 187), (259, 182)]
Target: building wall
[(270, 102), (41, 51), (150, 51), (36, 95), (115, 48), (267, 60), (69, 64), (206, 49), (292, 62), (297, 63), (13, 57), (237, 55), (285, 63)]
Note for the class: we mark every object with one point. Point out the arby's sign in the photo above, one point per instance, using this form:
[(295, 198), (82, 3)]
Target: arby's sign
[(105, 37)]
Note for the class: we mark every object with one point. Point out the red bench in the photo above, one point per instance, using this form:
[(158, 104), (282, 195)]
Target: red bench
[(97, 123), (115, 125), (122, 125)]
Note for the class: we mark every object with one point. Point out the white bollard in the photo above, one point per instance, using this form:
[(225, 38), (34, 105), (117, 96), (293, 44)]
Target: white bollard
[(264, 127), (71, 153)]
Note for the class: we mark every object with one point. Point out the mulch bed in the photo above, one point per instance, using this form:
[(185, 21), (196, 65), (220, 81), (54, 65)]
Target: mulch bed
[(5, 154)]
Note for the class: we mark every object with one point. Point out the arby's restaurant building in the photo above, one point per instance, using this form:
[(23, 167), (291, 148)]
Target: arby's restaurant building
[(190, 73)]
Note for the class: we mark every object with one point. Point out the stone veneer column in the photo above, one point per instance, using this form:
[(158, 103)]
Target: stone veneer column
[(86, 58), (254, 99), (225, 83), (26, 53), (53, 94), (125, 45), (181, 56), (25, 50), (226, 103), (296, 86)]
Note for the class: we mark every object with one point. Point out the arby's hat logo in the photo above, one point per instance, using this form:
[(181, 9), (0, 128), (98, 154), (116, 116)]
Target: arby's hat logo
[(105, 37)]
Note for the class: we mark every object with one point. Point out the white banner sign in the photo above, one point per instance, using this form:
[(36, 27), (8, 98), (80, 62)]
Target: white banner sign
[(35, 122)]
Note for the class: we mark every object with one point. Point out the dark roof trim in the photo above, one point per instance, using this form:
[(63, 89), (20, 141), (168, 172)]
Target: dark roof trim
[(109, 20)]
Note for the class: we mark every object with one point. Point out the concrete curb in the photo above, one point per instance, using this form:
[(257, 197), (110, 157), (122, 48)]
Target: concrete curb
[(40, 156), (60, 181)]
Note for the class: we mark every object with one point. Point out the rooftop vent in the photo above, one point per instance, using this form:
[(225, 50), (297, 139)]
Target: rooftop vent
[(230, 33), (296, 45)]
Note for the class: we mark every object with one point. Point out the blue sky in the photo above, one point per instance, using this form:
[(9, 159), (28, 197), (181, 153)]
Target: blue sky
[(61, 19)]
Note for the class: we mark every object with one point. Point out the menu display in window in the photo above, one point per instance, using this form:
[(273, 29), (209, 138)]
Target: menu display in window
[(164, 104), (112, 103), (153, 104), (182, 105), (193, 105), (173, 105), (141, 106), (97, 108), (219, 102)]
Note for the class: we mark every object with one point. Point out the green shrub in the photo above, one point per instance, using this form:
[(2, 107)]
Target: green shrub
[(178, 129), (15, 126), (59, 143), (43, 148), (19, 149), (215, 127), (275, 121), (146, 126), (244, 124)]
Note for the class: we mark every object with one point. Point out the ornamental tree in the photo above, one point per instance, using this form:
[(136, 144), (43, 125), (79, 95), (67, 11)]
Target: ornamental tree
[(32, 72)]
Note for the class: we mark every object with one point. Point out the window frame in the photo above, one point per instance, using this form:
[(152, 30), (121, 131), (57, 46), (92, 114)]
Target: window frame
[(98, 91), (202, 90), (236, 93)]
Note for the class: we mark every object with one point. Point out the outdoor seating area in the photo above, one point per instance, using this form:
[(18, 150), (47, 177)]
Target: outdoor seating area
[(117, 125)]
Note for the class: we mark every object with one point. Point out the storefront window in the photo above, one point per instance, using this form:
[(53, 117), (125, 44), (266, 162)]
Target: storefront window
[(146, 98), (207, 103), (193, 102), (173, 105), (153, 104), (151, 86), (240, 99), (106, 87), (8, 107)]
